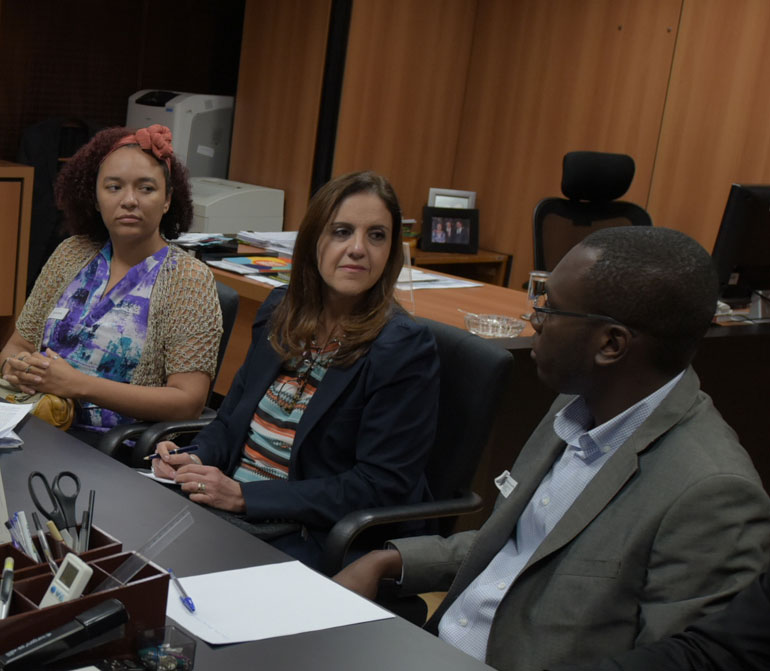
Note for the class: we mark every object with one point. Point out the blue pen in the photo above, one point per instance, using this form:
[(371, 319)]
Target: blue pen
[(178, 450), (184, 597)]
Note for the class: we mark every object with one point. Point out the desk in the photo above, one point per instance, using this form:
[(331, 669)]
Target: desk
[(484, 265), (215, 545), (437, 304)]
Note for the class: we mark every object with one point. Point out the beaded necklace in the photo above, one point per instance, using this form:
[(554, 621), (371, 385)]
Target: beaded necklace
[(311, 358)]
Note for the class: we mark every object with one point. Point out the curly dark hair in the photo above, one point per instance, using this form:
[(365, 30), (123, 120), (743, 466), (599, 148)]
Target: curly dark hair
[(658, 281), (76, 190)]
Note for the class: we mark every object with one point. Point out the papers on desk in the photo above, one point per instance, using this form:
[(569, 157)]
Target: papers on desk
[(422, 279), (261, 602), (10, 415), (281, 242)]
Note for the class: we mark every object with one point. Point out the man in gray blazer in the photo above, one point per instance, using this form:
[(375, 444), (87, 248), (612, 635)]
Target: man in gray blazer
[(632, 509)]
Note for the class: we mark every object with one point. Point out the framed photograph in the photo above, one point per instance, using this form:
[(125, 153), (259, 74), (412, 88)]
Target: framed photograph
[(448, 229), (463, 200)]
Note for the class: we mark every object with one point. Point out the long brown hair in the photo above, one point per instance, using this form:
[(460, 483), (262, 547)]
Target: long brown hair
[(295, 319)]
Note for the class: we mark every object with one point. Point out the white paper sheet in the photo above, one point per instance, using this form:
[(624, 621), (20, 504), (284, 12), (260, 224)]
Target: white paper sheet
[(151, 475), (422, 279), (10, 415), (261, 602)]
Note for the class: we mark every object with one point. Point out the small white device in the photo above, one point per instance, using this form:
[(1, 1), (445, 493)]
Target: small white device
[(69, 582)]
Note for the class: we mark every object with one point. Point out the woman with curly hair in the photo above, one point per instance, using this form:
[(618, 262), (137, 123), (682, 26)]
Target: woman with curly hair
[(335, 407), (120, 321)]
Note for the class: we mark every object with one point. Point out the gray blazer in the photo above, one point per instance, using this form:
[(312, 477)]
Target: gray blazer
[(674, 524)]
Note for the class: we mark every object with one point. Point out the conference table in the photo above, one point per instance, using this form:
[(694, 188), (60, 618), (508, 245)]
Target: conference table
[(444, 305), (733, 363), (132, 508)]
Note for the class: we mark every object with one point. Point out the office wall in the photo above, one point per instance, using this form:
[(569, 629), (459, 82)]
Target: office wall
[(489, 94), (402, 98), (715, 128), (279, 94), (551, 76)]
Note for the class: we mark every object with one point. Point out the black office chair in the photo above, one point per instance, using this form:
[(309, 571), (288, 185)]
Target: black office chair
[(474, 375), (113, 443), (591, 181)]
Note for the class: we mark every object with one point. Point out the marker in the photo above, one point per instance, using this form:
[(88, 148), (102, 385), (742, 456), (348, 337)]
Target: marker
[(14, 537), (6, 588), (183, 596), (178, 450), (54, 531), (26, 537), (44, 544)]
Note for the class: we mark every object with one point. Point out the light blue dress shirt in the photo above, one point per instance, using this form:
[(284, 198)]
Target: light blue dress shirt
[(467, 622)]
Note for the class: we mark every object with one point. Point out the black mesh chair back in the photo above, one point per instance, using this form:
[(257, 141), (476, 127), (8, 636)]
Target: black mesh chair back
[(591, 182)]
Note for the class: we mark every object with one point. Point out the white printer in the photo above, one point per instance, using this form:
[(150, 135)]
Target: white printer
[(224, 206), (200, 125)]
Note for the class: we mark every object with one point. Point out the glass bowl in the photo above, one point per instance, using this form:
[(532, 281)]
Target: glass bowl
[(494, 326)]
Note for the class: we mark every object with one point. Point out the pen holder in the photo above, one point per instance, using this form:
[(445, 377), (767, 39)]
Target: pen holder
[(144, 598), (101, 544)]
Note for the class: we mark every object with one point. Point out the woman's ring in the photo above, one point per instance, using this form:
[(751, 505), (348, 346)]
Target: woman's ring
[(26, 370), (202, 487)]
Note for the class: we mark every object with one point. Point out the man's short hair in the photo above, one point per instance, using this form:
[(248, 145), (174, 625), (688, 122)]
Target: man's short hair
[(658, 281)]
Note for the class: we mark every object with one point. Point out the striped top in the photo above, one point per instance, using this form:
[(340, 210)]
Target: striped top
[(267, 450)]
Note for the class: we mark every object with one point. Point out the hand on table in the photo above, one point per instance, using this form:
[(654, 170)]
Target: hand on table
[(204, 484), (48, 373)]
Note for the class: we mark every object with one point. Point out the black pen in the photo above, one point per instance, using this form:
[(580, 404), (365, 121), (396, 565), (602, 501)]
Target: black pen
[(178, 450), (90, 523), (6, 588)]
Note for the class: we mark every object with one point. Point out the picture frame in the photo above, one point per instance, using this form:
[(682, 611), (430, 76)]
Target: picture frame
[(450, 229), (463, 200)]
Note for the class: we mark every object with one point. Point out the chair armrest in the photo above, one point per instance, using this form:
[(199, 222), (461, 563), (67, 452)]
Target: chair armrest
[(112, 441), (156, 432), (345, 531)]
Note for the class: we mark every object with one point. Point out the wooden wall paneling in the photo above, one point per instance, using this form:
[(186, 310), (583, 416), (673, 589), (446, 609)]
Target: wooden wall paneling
[(551, 76), (279, 92), (10, 204), (402, 93), (715, 128)]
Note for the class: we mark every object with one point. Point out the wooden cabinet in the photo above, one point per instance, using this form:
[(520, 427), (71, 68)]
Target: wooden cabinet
[(15, 213)]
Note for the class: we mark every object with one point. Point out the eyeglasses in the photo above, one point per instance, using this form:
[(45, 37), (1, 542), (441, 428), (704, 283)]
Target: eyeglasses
[(539, 314)]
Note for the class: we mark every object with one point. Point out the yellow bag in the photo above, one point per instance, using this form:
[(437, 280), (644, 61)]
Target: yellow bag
[(57, 411)]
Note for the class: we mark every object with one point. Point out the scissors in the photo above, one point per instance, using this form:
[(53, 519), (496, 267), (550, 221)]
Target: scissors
[(62, 508)]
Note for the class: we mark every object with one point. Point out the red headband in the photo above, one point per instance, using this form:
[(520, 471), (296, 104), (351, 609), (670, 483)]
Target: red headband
[(155, 139)]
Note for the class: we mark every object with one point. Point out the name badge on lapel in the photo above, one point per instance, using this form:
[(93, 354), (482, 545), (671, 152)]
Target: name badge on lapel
[(505, 483), (58, 313)]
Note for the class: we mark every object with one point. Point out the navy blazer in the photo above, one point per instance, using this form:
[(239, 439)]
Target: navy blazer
[(363, 440)]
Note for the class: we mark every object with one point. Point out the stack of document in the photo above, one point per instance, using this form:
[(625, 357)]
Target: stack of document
[(253, 265), (10, 415), (281, 243), (421, 279)]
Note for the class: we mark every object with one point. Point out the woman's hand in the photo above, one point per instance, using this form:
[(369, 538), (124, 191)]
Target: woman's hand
[(51, 374), (208, 485), (18, 370), (168, 464)]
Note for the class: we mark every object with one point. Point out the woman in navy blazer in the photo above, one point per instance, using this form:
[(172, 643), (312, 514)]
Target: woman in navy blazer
[(363, 437)]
